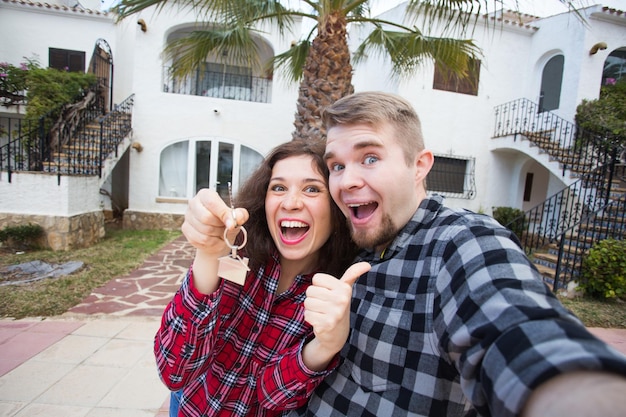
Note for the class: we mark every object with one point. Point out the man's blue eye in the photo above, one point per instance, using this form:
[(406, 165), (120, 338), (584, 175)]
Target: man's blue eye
[(336, 167), (370, 160)]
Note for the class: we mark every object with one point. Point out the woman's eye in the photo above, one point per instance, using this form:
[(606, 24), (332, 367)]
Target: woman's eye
[(277, 188), (311, 189), (370, 160)]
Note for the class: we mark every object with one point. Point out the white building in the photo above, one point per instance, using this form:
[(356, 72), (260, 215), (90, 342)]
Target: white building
[(206, 132)]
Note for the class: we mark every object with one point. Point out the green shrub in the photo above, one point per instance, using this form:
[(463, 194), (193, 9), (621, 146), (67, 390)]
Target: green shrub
[(511, 218), (604, 270), (23, 236)]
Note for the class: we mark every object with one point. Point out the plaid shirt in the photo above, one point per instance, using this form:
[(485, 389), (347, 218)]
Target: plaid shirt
[(236, 352), (453, 320)]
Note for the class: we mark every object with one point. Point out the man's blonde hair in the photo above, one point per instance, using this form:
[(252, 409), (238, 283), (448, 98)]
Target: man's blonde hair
[(375, 108)]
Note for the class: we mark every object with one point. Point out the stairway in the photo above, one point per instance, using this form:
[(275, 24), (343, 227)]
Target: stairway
[(559, 231), (577, 161), (85, 152), (610, 222)]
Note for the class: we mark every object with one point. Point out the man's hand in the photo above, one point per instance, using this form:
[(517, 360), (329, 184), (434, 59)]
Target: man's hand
[(327, 309)]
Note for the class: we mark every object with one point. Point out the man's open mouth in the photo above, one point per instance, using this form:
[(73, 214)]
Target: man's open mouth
[(363, 210)]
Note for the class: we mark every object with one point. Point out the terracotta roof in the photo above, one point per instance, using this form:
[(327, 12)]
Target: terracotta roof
[(614, 12), (57, 7), (513, 18)]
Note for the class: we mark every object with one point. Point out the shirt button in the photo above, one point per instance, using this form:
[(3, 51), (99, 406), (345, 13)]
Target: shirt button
[(255, 329), (237, 365)]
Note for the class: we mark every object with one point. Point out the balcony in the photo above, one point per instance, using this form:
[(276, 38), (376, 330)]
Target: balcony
[(220, 84)]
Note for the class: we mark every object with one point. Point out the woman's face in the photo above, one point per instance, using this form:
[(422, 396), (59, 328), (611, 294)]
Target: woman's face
[(297, 207)]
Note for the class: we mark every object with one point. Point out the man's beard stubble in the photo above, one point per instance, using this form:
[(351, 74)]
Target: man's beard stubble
[(367, 238)]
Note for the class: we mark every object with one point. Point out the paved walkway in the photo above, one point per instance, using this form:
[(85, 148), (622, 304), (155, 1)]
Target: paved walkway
[(96, 360)]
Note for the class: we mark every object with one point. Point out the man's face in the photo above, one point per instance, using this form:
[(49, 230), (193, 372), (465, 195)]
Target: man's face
[(371, 182)]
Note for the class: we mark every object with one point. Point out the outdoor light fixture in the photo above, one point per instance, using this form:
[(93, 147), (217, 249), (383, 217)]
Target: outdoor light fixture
[(598, 46), (143, 25)]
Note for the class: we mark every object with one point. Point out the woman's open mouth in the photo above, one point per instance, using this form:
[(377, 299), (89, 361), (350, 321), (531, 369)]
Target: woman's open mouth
[(293, 231)]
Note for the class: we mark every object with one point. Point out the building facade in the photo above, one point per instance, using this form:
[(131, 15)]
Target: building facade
[(213, 127)]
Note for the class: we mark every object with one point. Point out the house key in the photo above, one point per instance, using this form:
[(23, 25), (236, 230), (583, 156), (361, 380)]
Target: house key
[(233, 267)]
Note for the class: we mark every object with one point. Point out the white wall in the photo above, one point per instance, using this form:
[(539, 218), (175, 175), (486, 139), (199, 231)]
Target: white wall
[(28, 31), (454, 124), (160, 119), (37, 194)]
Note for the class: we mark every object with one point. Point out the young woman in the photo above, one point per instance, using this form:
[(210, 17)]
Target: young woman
[(247, 350)]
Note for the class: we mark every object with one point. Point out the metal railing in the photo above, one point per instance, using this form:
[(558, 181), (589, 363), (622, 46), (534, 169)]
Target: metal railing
[(574, 148), (89, 146), (581, 214), (76, 142), (220, 85), (562, 212), (609, 222)]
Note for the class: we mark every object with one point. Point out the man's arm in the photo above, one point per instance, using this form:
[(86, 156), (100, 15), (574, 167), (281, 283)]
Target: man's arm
[(580, 394)]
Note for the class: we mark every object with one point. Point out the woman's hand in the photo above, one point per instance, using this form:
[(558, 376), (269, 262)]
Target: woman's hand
[(206, 219)]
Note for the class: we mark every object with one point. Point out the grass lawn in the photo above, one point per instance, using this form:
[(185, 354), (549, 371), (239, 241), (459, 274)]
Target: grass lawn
[(117, 254), (123, 250)]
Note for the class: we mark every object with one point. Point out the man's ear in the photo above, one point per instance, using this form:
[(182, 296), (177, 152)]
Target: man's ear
[(423, 163)]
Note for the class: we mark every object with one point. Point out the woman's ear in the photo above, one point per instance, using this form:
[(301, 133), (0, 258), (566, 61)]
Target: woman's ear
[(423, 163)]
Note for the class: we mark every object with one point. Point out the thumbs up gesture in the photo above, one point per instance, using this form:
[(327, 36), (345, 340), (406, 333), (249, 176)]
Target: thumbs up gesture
[(327, 309)]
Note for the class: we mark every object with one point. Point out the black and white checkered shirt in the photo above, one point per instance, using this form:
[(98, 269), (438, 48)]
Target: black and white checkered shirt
[(453, 320)]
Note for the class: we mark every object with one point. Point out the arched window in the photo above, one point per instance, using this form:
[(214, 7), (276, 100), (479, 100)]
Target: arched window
[(551, 80), (614, 67), (189, 165)]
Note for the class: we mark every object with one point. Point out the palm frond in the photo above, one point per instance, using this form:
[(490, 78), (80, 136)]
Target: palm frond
[(409, 50), (189, 52), (291, 62), (458, 15)]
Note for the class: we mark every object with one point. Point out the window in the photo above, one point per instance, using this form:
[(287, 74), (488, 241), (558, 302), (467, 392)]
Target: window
[(189, 165), (614, 67), (448, 81), (528, 186), (551, 80), (225, 81), (452, 176), (65, 60)]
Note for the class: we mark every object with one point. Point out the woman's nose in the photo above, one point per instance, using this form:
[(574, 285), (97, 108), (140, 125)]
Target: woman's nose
[(292, 201)]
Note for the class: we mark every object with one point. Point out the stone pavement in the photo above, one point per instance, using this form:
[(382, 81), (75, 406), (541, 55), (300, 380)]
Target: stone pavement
[(96, 360)]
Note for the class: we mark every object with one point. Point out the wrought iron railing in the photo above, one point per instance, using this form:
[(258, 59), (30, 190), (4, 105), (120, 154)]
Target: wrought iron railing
[(220, 85), (547, 222), (89, 146), (607, 223), (581, 214), (24, 143), (574, 148), (75, 143)]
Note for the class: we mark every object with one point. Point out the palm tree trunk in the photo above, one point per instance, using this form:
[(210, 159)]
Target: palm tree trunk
[(327, 77)]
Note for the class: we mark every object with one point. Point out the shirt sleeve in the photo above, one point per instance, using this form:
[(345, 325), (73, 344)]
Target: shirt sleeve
[(184, 341), (286, 383), (501, 326)]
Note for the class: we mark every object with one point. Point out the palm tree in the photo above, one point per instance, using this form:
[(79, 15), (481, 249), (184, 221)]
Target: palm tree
[(321, 62)]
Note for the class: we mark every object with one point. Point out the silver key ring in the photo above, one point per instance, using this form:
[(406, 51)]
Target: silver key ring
[(234, 248)]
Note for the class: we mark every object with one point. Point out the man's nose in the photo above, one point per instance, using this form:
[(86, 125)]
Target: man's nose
[(350, 178)]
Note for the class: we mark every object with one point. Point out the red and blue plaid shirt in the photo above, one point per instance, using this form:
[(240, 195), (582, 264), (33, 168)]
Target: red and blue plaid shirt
[(237, 352)]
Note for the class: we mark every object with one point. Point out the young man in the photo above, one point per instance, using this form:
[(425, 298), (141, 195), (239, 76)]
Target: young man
[(452, 319)]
